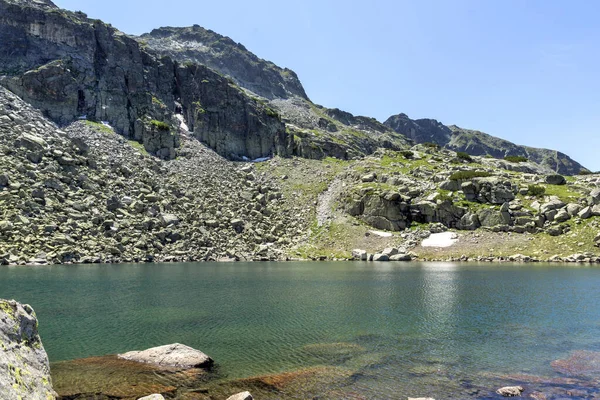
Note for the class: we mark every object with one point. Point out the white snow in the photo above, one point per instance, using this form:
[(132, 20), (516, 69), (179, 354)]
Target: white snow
[(444, 239), (382, 234)]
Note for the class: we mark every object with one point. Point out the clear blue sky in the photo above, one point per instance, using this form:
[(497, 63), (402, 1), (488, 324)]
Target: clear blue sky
[(523, 70)]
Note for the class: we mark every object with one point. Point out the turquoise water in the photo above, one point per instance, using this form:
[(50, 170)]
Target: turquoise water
[(259, 318)]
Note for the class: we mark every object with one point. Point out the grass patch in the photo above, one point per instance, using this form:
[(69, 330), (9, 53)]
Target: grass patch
[(465, 175), (139, 147), (516, 159), (161, 126), (99, 127)]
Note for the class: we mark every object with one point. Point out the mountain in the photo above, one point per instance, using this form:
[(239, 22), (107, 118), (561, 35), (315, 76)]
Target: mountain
[(220, 53), (317, 132), (72, 67), (478, 143)]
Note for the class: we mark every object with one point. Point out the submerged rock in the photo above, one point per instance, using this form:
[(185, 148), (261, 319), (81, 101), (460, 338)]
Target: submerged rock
[(24, 366), (241, 396), (171, 355), (510, 391), (580, 363), (153, 397)]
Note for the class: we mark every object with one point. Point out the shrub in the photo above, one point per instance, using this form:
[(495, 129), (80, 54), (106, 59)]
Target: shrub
[(161, 126), (536, 190), (516, 159), (407, 154), (431, 145), (464, 175), (461, 155), (271, 113)]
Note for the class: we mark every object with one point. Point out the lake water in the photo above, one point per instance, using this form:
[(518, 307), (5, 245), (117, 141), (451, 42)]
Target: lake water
[(400, 327)]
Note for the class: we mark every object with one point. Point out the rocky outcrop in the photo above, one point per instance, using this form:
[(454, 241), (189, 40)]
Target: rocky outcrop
[(510, 391), (478, 143), (171, 355), (222, 54), (24, 366), (73, 67)]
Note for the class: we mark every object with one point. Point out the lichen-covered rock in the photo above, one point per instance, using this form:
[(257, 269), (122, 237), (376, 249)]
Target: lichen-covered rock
[(24, 366), (510, 391), (171, 355)]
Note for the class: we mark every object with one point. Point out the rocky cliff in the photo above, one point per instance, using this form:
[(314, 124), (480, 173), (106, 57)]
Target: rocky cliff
[(24, 366), (221, 53), (478, 143), (72, 67)]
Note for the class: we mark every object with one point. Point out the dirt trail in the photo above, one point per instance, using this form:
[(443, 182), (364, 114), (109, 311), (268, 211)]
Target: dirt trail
[(326, 201)]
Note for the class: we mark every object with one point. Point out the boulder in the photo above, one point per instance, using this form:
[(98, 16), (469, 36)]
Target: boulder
[(241, 396), (595, 210), (169, 220), (510, 391), (369, 177), (421, 398), (24, 366), (585, 213), (390, 251), (595, 196), (469, 222), (553, 204), (401, 257), (171, 355), (380, 257), (562, 216), (555, 179), (573, 209), (153, 397), (359, 254)]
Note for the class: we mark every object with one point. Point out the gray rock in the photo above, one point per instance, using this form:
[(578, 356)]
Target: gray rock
[(555, 179), (573, 209), (153, 397), (24, 366), (595, 210), (585, 213), (562, 216), (380, 257), (4, 180), (169, 220), (171, 355), (369, 177), (401, 257), (469, 222), (595, 196), (389, 251), (241, 396), (359, 254), (510, 391), (553, 204)]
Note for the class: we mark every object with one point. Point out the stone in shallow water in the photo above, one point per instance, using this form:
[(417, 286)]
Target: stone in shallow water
[(580, 363), (510, 391), (153, 397), (171, 355), (241, 396)]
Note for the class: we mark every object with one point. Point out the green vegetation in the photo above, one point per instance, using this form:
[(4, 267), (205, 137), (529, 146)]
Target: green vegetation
[(157, 102), (516, 159), (407, 154), (198, 107), (584, 171), (464, 175), (271, 113), (461, 155), (139, 147), (536, 190), (99, 127), (161, 126)]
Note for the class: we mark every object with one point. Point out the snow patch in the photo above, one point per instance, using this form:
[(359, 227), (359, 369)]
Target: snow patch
[(444, 239), (381, 234)]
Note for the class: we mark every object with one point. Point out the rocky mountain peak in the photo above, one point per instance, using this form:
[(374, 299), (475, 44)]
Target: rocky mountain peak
[(221, 53), (34, 3)]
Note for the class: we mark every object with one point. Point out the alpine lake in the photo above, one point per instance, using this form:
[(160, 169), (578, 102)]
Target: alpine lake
[(328, 330)]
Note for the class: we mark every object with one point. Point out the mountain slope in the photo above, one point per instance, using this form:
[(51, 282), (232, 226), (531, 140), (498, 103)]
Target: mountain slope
[(478, 143)]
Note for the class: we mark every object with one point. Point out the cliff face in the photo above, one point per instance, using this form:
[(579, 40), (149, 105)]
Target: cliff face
[(232, 59), (72, 67), (24, 366), (478, 143)]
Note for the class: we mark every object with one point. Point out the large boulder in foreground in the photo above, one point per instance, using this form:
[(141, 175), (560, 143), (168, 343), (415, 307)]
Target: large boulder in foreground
[(171, 355), (24, 366)]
